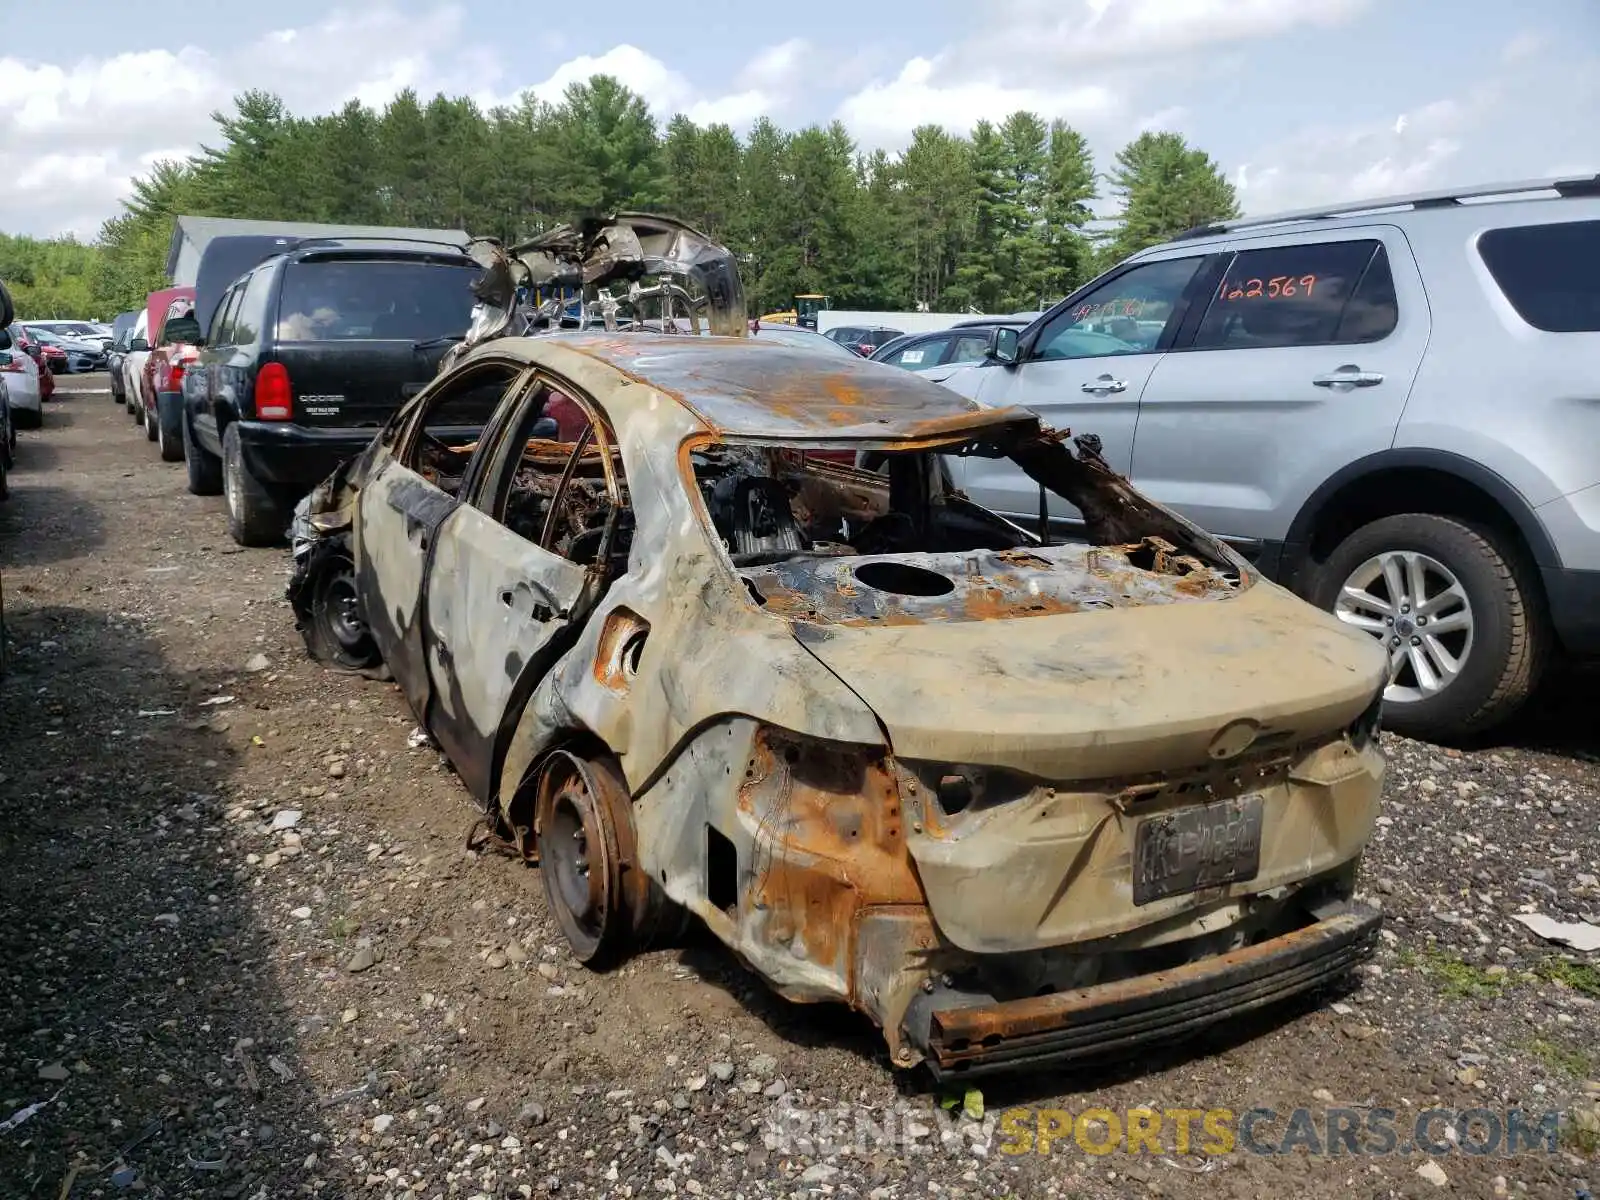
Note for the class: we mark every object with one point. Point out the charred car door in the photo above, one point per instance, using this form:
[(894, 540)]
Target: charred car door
[(402, 509), (516, 568)]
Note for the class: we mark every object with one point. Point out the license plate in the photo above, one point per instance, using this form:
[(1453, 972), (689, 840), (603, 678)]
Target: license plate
[(1193, 848)]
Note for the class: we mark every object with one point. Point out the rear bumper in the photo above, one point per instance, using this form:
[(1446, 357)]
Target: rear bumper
[(1112, 1019), (290, 455), (1574, 600)]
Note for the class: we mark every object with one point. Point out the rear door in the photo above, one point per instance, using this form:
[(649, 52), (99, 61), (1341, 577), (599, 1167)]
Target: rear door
[(354, 331), (1084, 369), (1300, 361), (401, 511), (500, 606)]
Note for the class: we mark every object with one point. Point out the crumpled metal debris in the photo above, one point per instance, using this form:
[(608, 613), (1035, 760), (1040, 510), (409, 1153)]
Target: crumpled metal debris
[(625, 247), (23, 1115)]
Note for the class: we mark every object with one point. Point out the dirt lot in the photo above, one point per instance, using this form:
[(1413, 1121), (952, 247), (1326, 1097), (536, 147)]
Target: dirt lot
[(244, 951)]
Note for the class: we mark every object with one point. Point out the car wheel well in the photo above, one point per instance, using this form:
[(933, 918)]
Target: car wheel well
[(1399, 490), (517, 819)]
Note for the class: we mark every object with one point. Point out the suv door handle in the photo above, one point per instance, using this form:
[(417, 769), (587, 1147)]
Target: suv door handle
[(1105, 384), (1354, 376)]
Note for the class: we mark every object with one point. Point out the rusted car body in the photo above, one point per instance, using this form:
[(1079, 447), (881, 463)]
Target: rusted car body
[(1015, 801)]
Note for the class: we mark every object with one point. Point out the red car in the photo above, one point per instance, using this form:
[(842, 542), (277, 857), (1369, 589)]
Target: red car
[(40, 353), (163, 371)]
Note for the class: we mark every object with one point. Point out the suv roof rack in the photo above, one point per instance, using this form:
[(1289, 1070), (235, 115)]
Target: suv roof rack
[(340, 242), (1443, 198)]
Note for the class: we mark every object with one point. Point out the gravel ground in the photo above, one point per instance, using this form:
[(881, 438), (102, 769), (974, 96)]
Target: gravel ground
[(244, 951)]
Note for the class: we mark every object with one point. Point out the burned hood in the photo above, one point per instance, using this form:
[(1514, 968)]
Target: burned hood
[(1104, 691)]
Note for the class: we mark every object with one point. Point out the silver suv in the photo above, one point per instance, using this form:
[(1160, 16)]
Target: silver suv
[(1392, 408)]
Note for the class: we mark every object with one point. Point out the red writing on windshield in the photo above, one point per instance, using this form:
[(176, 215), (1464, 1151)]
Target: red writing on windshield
[(1280, 287), (1108, 308)]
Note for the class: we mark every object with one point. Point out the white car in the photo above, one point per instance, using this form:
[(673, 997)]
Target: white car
[(133, 367), (20, 374)]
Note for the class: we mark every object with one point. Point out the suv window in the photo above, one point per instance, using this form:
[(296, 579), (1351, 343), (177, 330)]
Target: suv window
[(918, 357), (339, 299), (969, 347), (1549, 273), (1314, 294), (227, 317), (250, 317), (1127, 315)]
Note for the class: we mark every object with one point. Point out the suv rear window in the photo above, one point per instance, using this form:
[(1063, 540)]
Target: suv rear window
[(341, 299), (1550, 273)]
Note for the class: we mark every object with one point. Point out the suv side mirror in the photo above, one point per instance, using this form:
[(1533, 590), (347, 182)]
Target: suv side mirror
[(1002, 347), (138, 344), (8, 311), (5, 338)]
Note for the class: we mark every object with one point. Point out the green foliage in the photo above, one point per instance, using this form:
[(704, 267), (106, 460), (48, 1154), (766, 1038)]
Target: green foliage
[(995, 222), (1166, 186), (51, 278)]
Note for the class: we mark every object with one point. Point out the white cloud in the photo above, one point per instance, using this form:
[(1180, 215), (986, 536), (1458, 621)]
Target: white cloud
[(884, 114), (1091, 62), (1170, 118), (72, 136), (1051, 35), (765, 85), (1525, 45), (1498, 129), (662, 88)]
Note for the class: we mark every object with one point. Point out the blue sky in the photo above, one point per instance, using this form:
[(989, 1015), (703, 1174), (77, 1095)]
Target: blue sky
[(1301, 101)]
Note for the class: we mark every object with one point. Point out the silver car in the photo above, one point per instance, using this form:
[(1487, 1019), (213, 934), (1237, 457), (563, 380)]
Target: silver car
[(1392, 407)]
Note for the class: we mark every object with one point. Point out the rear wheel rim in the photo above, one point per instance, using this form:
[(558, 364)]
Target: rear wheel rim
[(1418, 609), (572, 851)]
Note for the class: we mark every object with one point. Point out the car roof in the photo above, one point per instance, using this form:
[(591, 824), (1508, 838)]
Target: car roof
[(741, 387)]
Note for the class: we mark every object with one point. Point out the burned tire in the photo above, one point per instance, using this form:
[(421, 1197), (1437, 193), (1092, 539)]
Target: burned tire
[(205, 469), (1457, 611), (603, 901), (169, 426), (329, 614), (27, 418), (255, 518)]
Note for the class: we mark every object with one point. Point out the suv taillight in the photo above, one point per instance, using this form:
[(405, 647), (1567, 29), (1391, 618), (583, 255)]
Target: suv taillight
[(274, 394)]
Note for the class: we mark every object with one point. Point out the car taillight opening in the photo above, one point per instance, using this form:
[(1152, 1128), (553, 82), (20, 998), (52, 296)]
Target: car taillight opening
[(274, 393)]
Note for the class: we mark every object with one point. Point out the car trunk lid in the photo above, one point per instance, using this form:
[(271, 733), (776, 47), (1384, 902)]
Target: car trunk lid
[(1107, 693)]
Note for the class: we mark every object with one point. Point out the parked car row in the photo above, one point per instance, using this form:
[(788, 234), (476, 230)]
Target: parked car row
[(26, 382), (1299, 385)]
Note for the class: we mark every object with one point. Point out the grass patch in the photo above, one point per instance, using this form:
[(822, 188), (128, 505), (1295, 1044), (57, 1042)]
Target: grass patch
[(1581, 1138), (342, 927), (1580, 977), (1568, 1060), (1457, 977)]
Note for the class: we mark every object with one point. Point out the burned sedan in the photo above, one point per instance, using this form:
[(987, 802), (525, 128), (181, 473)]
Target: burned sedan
[(1016, 799)]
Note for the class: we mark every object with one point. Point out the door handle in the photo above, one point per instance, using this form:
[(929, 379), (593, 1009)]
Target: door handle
[(1354, 376), (1105, 384)]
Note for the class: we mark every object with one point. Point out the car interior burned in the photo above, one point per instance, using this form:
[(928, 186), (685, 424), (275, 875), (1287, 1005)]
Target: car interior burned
[(817, 541)]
